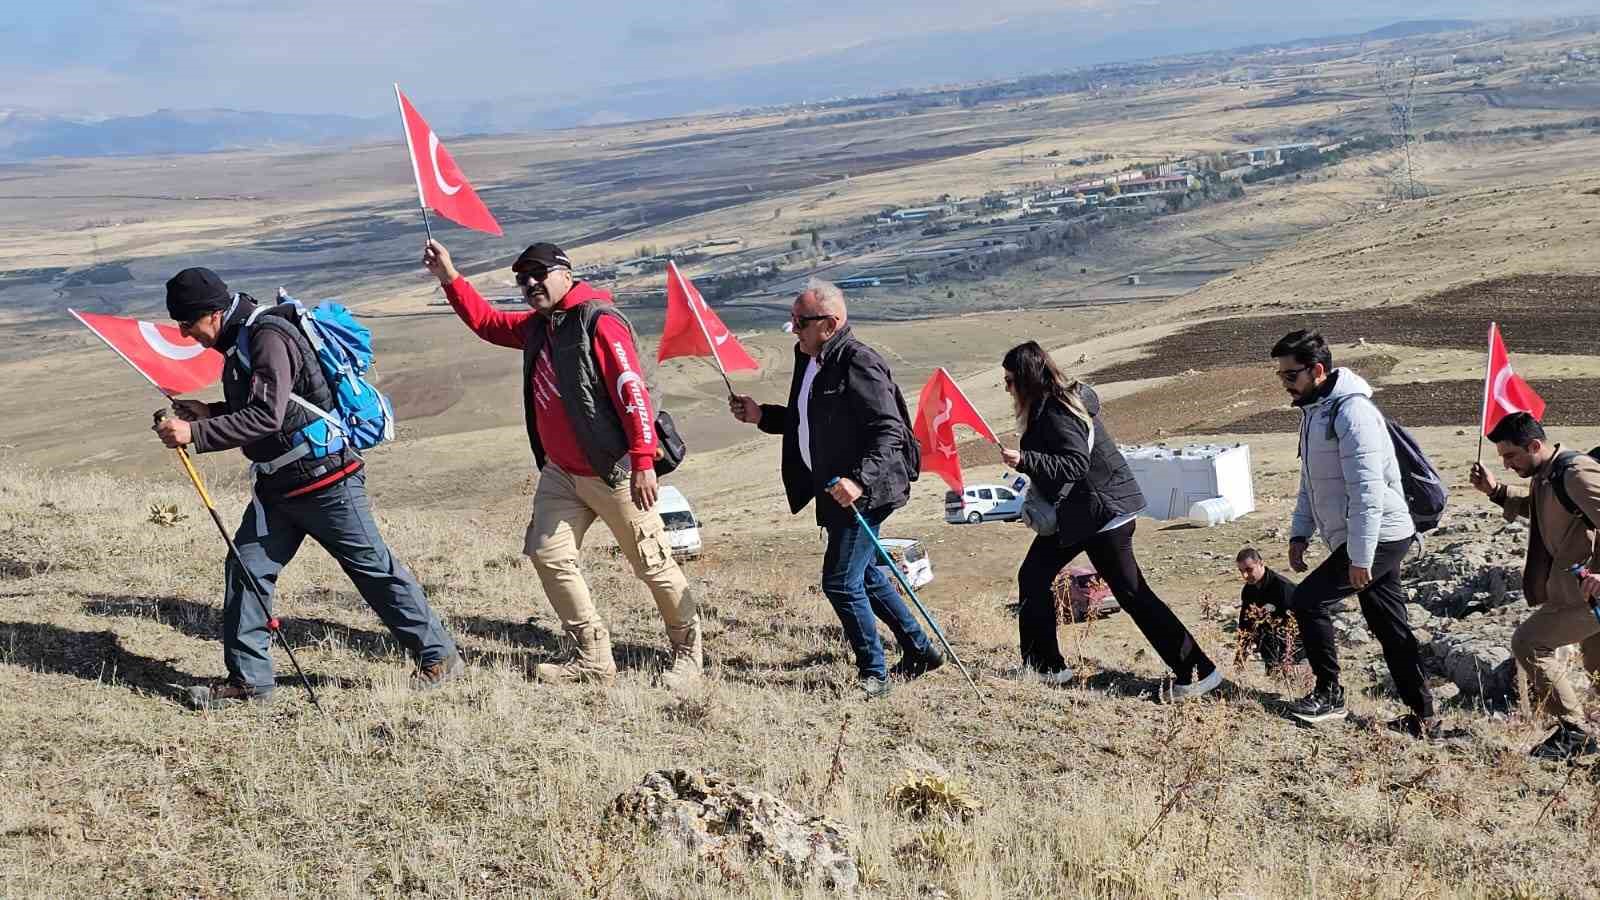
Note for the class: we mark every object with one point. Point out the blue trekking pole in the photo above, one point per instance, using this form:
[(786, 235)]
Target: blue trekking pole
[(900, 577), (1580, 572)]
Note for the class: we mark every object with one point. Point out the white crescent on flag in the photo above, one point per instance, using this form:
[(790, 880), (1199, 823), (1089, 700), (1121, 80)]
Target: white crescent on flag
[(173, 363), (438, 171), (159, 343)]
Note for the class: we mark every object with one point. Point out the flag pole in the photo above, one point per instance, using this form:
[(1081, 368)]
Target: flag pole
[(411, 150), (1483, 414), (710, 345)]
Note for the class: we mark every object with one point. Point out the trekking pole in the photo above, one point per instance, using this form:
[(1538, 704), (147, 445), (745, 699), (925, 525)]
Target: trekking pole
[(233, 550), (900, 577), (1580, 572)]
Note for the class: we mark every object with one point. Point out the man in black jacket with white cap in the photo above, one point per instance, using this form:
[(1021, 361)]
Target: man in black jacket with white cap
[(847, 444)]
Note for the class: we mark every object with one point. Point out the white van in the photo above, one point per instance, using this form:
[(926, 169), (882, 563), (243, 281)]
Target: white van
[(985, 503), (683, 529), (913, 560)]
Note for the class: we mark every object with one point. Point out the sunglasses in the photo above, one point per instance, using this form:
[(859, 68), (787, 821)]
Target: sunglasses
[(1289, 375), (535, 273), (800, 322)]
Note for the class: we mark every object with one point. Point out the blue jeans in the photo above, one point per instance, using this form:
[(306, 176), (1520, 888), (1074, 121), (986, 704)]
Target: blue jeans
[(861, 593), (339, 517)]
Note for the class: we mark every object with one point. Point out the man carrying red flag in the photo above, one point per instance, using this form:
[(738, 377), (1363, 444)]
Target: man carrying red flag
[(271, 383), (942, 407), (847, 443), (1561, 502), (592, 428)]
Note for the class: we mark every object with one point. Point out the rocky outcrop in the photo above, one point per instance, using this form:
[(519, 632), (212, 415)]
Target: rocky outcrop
[(715, 817)]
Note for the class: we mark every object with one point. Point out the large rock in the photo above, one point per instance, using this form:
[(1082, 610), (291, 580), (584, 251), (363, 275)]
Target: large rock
[(713, 816), (1478, 661)]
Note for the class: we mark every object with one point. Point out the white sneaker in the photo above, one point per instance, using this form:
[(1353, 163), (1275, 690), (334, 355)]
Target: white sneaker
[(1199, 688), (1055, 679)]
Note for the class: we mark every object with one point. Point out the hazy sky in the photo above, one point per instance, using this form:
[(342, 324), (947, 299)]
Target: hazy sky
[(340, 55)]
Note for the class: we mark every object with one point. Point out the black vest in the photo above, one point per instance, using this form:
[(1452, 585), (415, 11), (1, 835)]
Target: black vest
[(570, 334), (308, 383)]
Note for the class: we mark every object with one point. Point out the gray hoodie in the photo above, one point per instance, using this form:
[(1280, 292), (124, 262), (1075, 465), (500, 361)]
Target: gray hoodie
[(1350, 489)]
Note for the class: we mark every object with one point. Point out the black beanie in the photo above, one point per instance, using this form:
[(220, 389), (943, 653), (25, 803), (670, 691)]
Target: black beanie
[(194, 292)]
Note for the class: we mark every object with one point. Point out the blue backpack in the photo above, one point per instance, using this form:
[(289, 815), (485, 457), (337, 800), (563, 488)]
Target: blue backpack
[(1425, 492), (362, 417)]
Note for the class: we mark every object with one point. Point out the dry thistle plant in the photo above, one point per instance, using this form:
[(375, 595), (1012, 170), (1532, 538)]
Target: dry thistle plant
[(921, 794), (166, 515)]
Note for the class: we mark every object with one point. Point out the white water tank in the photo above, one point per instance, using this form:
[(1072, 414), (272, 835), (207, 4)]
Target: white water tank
[(1175, 479)]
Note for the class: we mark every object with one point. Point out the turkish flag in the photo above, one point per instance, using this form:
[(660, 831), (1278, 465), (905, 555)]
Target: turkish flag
[(173, 363), (693, 328), (440, 184), (1504, 391), (940, 409)]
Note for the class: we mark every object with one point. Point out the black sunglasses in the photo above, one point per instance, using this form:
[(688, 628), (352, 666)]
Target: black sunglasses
[(1289, 375), (803, 321), (537, 272)]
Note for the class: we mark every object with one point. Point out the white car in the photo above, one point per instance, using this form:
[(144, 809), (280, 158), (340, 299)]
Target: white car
[(913, 560), (985, 503), (683, 529)]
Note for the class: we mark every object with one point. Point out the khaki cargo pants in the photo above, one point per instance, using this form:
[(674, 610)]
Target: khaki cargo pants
[(564, 506), (1536, 643)]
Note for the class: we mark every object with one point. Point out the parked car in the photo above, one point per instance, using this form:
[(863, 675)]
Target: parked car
[(683, 529), (985, 503), (913, 560)]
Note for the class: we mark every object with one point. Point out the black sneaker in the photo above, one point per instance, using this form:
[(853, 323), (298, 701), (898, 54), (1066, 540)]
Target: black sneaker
[(1325, 704), (1565, 743), (873, 687), (1413, 725), (913, 665)]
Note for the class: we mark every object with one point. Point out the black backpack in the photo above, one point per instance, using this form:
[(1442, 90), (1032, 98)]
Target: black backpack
[(1559, 467), (1425, 492)]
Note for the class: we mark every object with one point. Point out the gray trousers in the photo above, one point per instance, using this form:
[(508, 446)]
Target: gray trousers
[(338, 517)]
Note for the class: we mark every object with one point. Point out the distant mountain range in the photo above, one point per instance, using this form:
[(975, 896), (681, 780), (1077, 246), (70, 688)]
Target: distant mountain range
[(1008, 49)]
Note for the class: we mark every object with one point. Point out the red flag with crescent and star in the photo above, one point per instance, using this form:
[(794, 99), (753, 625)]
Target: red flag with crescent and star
[(940, 409), (440, 184), (694, 329), (173, 363), (1504, 391)]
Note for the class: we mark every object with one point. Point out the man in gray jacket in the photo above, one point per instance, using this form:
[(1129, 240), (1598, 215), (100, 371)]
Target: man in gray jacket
[(1350, 492)]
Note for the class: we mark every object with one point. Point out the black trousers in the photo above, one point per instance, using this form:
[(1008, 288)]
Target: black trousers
[(1383, 603), (1112, 555)]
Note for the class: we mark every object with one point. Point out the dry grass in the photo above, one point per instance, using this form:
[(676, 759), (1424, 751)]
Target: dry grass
[(498, 787)]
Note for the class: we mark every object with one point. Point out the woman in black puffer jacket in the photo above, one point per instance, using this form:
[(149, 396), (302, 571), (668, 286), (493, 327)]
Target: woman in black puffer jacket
[(1070, 458)]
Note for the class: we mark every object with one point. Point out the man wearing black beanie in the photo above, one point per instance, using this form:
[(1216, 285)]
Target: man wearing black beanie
[(296, 495)]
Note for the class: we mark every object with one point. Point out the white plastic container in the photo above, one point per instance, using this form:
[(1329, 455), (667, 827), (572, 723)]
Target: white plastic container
[(1211, 513), (1173, 480)]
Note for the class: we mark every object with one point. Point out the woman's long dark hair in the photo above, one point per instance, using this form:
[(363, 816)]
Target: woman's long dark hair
[(1035, 378)]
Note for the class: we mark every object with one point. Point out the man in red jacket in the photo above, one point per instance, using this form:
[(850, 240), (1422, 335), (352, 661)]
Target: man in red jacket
[(592, 428)]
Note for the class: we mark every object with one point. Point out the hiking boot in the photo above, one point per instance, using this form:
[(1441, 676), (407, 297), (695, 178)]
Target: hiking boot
[(226, 694), (1567, 742), (433, 676), (914, 665), (873, 687), (1325, 704), (591, 660), (685, 674), (1413, 725), (1188, 691)]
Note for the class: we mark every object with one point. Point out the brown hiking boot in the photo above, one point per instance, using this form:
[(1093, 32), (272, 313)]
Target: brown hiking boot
[(224, 695), (591, 661), (687, 660), (432, 677)]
